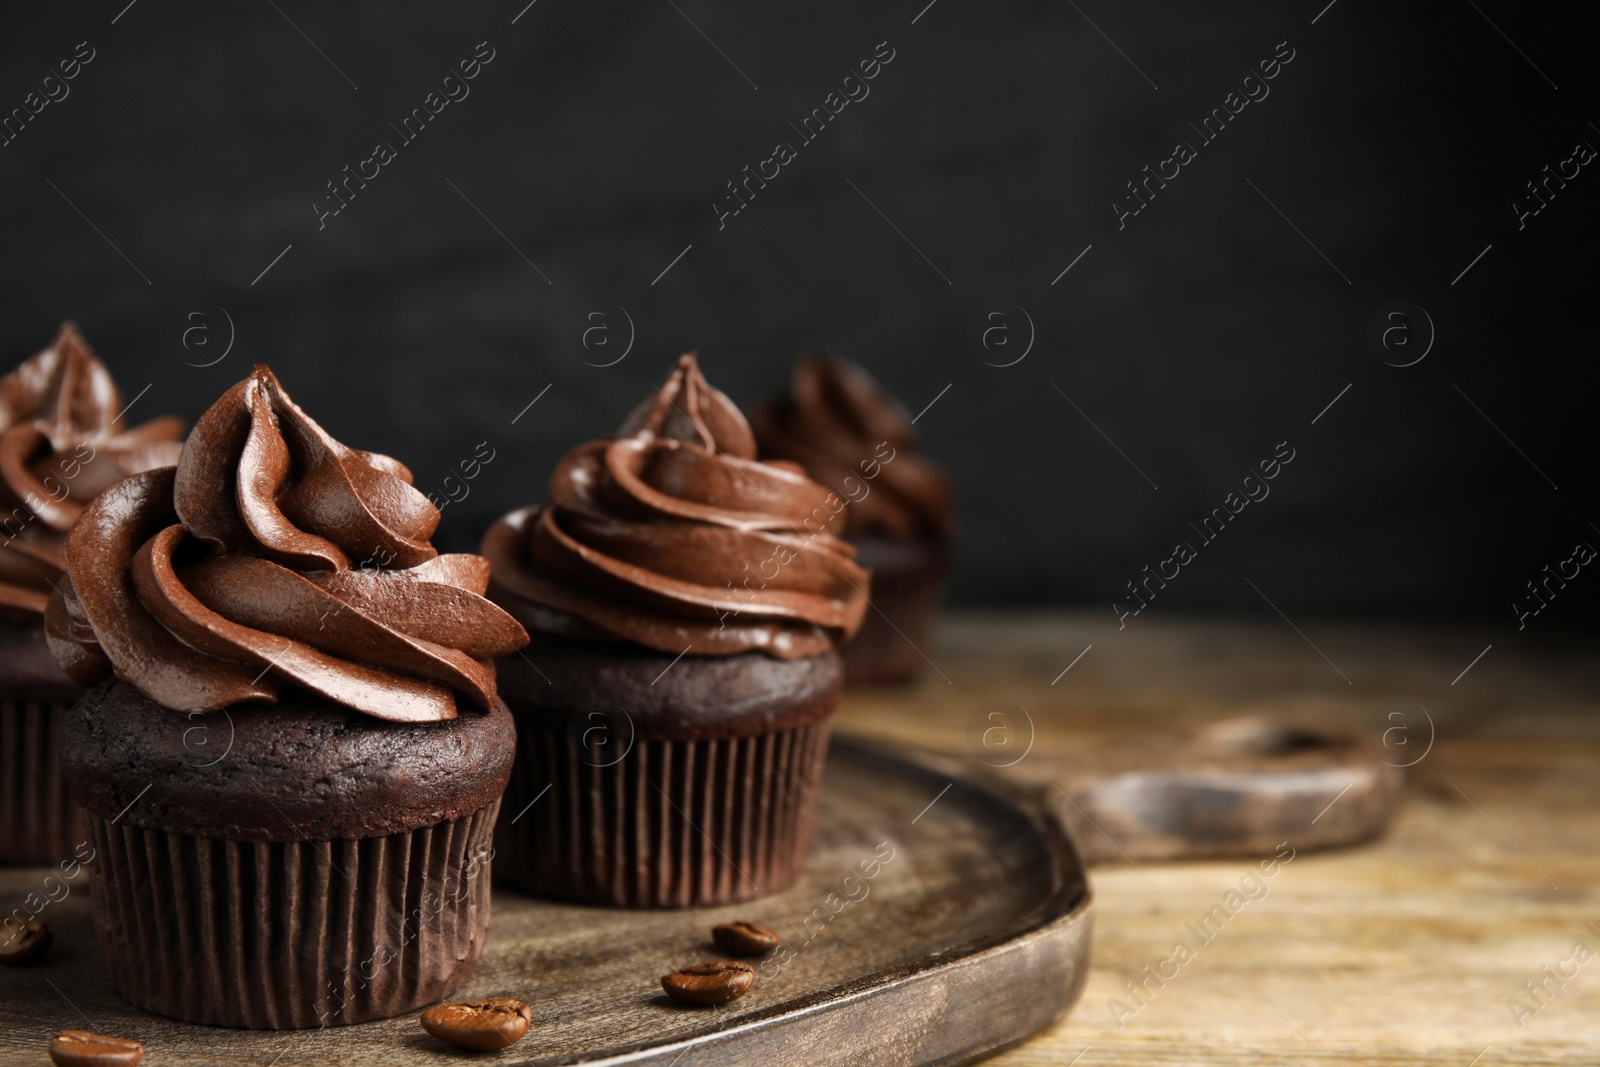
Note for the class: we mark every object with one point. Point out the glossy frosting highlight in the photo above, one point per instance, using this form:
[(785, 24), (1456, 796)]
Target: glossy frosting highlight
[(833, 421), (273, 555), (62, 443), (674, 536)]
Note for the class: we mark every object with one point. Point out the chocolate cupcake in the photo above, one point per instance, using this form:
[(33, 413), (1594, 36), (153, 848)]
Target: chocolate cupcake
[(854, 438), (62, 442), (673, 709), (292, 778)]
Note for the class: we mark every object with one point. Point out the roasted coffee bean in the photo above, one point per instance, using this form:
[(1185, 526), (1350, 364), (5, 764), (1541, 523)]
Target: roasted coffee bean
[(485, 1025), (744, 939), (79, 1048), (26, 944), (710, 983)]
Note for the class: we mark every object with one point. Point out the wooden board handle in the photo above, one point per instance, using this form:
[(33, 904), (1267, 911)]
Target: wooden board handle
[(1240, 787)]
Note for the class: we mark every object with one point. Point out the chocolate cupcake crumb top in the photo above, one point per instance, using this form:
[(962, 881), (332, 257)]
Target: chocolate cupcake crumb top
[(273, 555), (853, 437), (672, 535), (62, 442)]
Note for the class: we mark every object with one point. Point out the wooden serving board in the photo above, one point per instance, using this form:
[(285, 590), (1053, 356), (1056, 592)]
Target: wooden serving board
[(972, 933), (944, 914)]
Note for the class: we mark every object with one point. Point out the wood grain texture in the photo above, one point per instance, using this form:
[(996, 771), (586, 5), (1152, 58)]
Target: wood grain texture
[(1404, 951), (937, 920), (1401, 952)]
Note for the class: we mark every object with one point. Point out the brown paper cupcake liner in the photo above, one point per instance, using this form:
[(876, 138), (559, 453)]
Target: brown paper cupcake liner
[(38, 820), (670, 824), (899, 622), (291, 935)]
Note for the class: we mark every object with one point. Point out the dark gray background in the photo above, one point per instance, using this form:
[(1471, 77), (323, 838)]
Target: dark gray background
[(597, 140)]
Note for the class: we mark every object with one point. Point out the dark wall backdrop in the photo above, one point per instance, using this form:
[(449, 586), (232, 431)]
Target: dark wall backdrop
[(1178, 351)]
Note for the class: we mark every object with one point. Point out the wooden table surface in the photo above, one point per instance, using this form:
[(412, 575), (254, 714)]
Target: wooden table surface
[(1409, 950)]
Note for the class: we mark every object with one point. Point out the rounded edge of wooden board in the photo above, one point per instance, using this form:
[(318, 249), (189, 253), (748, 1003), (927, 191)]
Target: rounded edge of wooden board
[(951, 1008)]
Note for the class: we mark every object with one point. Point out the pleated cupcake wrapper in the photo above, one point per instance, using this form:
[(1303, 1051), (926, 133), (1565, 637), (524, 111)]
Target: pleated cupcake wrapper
[(881, 652), (38, 820), (671, 824), (291, 935)]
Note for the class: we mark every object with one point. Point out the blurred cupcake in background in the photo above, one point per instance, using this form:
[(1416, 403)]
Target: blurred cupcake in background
[(62, 443), (858, 441)]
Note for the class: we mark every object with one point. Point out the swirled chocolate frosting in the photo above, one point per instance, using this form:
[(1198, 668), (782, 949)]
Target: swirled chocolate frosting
[(840, 426), (273, 555), (673, 536), (62, 442)]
